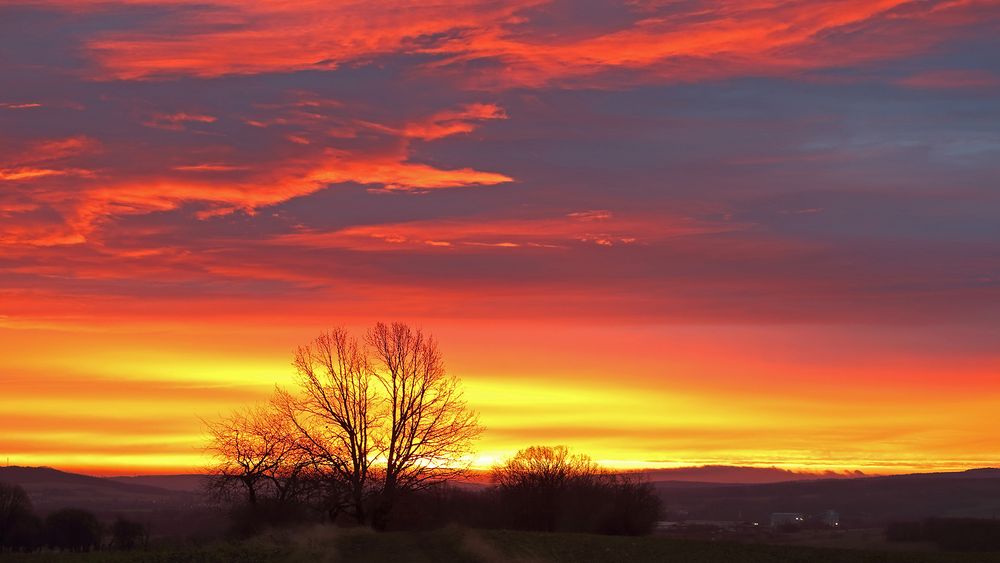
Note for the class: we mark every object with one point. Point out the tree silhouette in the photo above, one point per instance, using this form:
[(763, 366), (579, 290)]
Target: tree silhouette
[(127, 534), (20, 529), (536, 480), (255, 451), (372, 420), (548, 488), (13, 502), (430, 426), (335, 415), (73, 529)]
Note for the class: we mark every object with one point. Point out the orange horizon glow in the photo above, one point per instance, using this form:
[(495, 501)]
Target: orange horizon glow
[(664, 234), (137, 416)]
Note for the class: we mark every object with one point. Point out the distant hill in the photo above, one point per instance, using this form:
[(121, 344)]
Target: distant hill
[(870, 500), (703, 475), (737, 474), (50, 489), (189, 483), (699, 493)]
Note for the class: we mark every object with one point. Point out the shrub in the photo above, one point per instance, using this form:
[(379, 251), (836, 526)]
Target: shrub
[(73, 529), (24, 533), (550, 489), (127, 534)]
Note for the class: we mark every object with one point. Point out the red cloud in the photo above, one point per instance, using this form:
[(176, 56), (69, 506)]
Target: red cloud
[(453, 122), (663, 42), (43, 159), (224, 187)]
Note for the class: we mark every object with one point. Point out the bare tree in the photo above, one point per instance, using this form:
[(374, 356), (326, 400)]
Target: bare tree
[(544, 467), (549, 488), (430, 427), (536, 480), (335, 415), (371, 420), (255, 450), (14, 503)]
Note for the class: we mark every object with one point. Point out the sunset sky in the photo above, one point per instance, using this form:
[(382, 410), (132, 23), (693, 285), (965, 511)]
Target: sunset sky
[(662, 232)]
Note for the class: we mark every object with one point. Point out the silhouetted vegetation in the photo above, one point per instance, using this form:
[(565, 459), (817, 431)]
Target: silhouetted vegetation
[(960, 534), (372, 421), (456, 545), (540, 489), (127, 534), (374, 429), (68, 529), (20, 529), (73, 529), (549, 489)]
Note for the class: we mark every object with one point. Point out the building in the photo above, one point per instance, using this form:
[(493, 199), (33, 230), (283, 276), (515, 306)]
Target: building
[(779, 519)]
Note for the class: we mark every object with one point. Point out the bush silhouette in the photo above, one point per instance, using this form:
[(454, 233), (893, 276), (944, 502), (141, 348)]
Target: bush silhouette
[(550, 489), (73, 529), (127, 534), (20, 530), (26, 533)]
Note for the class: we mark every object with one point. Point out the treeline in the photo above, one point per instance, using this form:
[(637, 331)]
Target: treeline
[(958, 534), (69, 529), (371, 434), (548, 489), (541, 488)]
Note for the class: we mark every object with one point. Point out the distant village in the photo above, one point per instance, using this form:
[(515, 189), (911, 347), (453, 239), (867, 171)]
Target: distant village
[(778, 522)]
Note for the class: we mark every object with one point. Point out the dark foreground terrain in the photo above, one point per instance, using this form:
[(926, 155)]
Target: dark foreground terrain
[(325, 544)]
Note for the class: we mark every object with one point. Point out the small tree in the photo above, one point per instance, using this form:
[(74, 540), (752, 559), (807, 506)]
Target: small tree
[(20, 530), (256, 453), (13, 503), (73, 529), (534, 483), (549, 488), (25, 533), (127, 534)]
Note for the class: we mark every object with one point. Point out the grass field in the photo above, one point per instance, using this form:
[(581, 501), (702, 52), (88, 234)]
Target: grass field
[(477, 546)]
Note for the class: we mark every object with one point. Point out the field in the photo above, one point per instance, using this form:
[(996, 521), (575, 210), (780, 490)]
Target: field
[(476, 546)]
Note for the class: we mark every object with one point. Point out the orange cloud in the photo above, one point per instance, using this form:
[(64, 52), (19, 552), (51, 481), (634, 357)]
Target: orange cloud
[(453, 122), (278, 36), (209, 167), (601, 228), (86, 205), (395, 174), (759, 36), (13, 174)]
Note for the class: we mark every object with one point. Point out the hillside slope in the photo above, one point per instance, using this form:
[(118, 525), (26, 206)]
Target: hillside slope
[(51, 489)]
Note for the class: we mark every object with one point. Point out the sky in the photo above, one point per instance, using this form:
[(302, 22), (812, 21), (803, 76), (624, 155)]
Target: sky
[(661, 232)]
